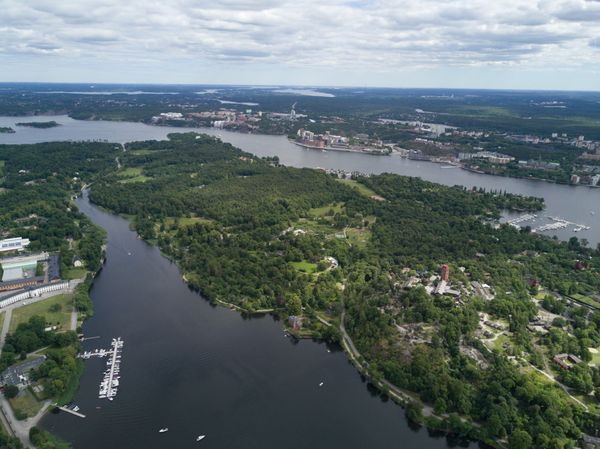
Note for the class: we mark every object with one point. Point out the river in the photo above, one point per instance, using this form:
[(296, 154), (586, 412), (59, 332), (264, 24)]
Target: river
[(580, 205), (199, 369)]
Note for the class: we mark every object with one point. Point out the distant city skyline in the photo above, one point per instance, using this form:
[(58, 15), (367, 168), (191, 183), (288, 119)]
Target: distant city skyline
[(510, 44)]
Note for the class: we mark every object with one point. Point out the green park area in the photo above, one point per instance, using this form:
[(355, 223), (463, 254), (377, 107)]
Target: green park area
[(305, 267), (362, 189), (74, 273), (586, 300), (132, 175), (57, 311)]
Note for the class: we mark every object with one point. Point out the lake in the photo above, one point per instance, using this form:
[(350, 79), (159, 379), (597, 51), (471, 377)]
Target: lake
[(579, 205)]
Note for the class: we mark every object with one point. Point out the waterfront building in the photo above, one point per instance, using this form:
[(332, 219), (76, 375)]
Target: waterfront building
[(13, 244), (575, 179)]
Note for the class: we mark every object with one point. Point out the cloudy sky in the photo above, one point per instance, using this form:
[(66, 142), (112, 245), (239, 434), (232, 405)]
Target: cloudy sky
[(545, 44)]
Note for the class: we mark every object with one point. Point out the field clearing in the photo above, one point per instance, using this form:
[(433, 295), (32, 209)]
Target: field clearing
[(132, 175), (325, 211), (62, 318), (362, 189), (305, 267), (74, 273), (26, 403), (145, 152), (186, 221), (586, 300), (358, 237)]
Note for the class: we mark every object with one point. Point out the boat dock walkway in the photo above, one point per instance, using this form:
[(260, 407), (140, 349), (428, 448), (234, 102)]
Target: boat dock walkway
[(110, 382), (72, 412)]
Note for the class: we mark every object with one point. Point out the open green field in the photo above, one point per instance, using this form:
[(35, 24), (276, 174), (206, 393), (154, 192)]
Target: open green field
[(325, 211), (144, 152), (26, 403), (62, 318), (2, 316), (305, 267), (595, 357), (186, 221), (358, 237), (74, 273), (364, 190), (133, 174), (586, 300)]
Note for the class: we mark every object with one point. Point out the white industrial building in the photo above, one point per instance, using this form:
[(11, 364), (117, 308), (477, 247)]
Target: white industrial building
[(13, 244)]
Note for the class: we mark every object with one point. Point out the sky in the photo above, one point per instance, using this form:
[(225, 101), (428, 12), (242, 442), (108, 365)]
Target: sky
[(514, 44)]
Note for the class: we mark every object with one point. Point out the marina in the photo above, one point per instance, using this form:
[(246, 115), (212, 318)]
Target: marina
[(560, 223), (110, 382)]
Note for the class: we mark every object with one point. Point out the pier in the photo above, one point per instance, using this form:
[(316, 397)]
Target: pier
[(110, 382), (71, 411), (560, 223)]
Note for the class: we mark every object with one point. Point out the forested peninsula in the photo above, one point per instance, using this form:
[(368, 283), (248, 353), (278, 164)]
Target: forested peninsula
[(464, 315)]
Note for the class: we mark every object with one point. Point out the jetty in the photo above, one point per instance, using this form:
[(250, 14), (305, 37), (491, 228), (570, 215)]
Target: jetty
[(71, 411)]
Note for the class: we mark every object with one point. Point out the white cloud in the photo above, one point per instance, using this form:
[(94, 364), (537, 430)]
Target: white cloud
[(379, 35)]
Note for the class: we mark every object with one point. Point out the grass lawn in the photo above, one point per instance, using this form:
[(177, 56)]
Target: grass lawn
[(324, 211), (26, 403), (74, 273), (2, 316), (132, 174), (144, 152), (586, 300), (364, 190), (62, 317), (358, 237), (595, 358), (305, 267), (186, 221)]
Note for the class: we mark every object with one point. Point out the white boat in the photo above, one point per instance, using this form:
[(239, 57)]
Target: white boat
[(200, 437), (163, 430), (321, 384)]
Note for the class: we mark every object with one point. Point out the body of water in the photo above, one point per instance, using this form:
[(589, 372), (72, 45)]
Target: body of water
[(579, 205)]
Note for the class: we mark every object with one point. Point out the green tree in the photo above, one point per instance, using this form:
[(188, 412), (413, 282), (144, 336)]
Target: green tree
[(11, 391), (519, 439)]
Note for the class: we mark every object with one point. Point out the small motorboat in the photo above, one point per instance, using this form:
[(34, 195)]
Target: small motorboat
[(321, 384), (163, 430), (200, 437)]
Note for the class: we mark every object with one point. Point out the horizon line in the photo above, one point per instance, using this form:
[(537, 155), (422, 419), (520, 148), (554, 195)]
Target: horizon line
[(311, 86)]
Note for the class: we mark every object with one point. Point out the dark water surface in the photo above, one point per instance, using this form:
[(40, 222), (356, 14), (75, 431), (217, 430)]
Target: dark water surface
[(579, 205), (198, 369)]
